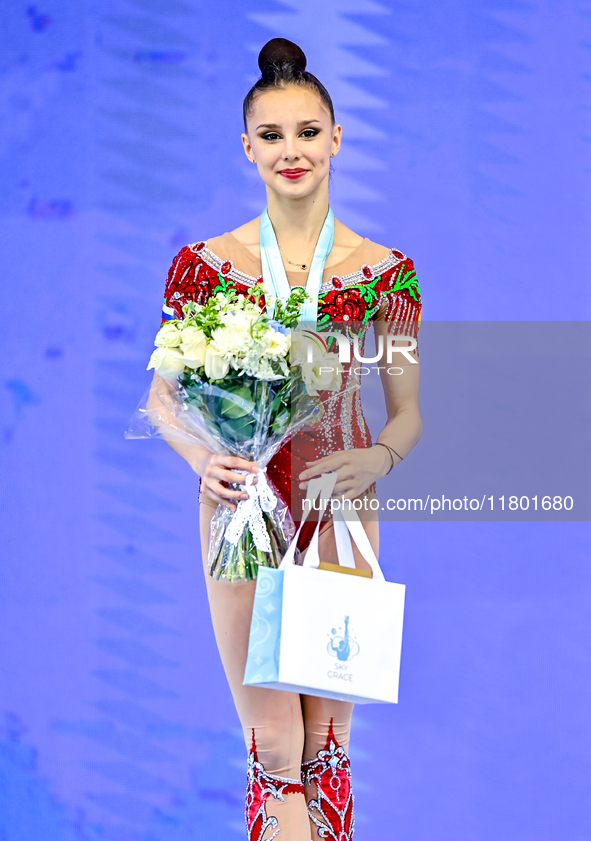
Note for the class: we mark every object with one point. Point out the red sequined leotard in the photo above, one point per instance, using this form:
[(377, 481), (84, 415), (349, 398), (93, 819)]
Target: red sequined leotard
[(373, 283)]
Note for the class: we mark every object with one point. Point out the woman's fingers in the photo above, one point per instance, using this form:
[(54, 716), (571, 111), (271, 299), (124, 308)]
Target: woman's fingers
[(237, 463), (324, 465), (344, 473), (223, 468), (228, 476), (214, 481), (221, 501), (230, 505), (345, 487)]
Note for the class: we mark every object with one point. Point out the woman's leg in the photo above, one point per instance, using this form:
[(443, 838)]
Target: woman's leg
[(272, 721), (288, 735), (326, 770)]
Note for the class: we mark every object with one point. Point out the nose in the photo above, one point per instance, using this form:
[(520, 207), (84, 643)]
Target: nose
[(290, 151)]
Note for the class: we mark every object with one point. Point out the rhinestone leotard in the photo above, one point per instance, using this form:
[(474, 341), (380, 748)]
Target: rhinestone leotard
[(373, 283)]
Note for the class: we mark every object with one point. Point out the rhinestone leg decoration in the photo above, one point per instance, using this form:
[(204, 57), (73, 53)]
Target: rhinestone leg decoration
[(260, 787), (332, 810)]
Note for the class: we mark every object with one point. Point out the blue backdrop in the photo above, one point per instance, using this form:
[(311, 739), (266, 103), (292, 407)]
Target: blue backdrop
[(467, 130)]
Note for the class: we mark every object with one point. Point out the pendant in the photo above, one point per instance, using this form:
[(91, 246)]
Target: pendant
[(303, 266)]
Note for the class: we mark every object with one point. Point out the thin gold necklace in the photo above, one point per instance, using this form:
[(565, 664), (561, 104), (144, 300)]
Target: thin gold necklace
[(301, 265)]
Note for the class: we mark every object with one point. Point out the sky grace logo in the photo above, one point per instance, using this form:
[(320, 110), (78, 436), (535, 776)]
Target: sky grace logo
[(341, 644)]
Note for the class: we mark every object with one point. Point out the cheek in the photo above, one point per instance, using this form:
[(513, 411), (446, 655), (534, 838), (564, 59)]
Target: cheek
[(322, 158), (322, 154), (267, 155)]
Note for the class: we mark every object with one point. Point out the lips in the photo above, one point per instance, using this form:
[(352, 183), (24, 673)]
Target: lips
[(293, 173)]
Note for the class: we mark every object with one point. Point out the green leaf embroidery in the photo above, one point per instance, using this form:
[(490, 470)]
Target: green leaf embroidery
[(224, 284), (408, 280)]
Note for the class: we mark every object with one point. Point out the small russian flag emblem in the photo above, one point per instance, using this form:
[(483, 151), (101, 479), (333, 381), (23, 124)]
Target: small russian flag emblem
[(167, 312)]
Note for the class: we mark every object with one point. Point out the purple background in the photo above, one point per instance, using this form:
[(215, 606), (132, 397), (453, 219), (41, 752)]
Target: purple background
[(466, 144)]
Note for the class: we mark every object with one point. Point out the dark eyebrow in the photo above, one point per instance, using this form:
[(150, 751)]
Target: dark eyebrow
[(276, 125)]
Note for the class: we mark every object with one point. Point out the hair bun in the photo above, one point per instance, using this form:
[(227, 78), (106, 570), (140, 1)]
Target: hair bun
[(281, 51)]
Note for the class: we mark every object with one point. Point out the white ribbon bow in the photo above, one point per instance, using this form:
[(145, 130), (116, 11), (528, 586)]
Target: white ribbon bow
[(250, 511)]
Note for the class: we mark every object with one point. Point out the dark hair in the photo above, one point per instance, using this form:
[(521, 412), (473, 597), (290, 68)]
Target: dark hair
[(282, 63)]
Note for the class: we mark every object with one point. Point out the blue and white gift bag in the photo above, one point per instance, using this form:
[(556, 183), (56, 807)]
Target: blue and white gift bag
[(321, 633)]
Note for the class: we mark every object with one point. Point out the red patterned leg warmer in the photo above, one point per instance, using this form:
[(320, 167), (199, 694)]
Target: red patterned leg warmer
[(260, 787), (332, 810)]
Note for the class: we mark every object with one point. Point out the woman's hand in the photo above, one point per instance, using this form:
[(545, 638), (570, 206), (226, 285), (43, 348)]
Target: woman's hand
[(356, 469), (220, 468)]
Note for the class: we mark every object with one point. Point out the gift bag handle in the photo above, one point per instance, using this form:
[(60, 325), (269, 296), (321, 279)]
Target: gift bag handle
[(322, 486), (345, 529), (349, 528)]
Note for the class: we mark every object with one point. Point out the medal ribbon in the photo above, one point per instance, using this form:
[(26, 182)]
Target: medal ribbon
[(274, 275)]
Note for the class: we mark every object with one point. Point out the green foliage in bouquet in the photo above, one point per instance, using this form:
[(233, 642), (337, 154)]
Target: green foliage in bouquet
[(244, 390), (245, 407), (288, 313), (208, 317)]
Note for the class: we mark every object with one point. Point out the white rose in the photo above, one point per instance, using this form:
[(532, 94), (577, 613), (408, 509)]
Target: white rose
[(304, 348), (168, 363), (193, 346), (216, 366), (168, 336), (321, 376)]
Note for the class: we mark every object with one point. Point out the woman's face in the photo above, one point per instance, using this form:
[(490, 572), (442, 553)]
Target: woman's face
[(291, 137)]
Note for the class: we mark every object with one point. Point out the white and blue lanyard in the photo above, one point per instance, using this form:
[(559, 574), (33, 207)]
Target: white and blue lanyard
[(274, 275)]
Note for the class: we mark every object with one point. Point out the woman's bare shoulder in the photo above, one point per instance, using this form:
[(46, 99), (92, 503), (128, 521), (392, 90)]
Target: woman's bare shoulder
[(347, 239), (378, 252), (344, 237), (248, 234)]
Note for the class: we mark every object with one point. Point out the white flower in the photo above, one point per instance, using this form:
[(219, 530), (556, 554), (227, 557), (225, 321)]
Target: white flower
[(168, 336), (216, 366), (321, 370), (306, 348), (278, 344), (168, 363), (193, 346), (322, 375), (244, 342), (230, 340)]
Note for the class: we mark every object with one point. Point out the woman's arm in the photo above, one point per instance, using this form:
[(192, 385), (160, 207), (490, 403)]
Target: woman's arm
[(358, 469), (401, 392), (213, 468)]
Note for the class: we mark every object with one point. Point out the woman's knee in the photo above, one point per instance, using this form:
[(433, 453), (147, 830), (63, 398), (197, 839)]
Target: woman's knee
[(321, 717), (278, 738)]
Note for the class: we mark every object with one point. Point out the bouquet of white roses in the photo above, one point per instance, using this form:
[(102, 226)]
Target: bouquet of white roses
[(239, 383)]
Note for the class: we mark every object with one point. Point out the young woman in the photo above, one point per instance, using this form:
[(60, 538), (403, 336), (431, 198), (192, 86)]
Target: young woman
[(298, 769)]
